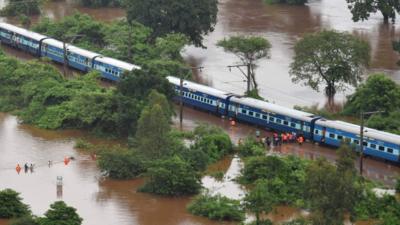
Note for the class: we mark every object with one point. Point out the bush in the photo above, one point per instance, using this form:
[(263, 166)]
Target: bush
[(11, 205), (213, 141), (217, 208), (121, 163), (251, 147), (172, 176), (289, 2), (82, 144)]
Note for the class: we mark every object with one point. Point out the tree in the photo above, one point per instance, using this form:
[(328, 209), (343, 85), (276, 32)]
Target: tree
[(362, 9), (331, 58), (152, 140), (100, 3), (389, 122), (192, 18), (260, 200), (249, 50), (21, 7), (379, 92), (11, 205), (172, 176), (323, 194), (60, 214)]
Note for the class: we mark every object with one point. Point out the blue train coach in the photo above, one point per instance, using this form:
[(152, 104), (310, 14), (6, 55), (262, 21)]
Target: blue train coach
[(20, 38), (272, 116), (376, 143), (201, 96)]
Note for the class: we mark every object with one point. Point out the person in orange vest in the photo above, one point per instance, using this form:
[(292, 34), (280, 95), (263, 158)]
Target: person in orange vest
[(300, 140), (284, 137), (290, 137), (18, 168)]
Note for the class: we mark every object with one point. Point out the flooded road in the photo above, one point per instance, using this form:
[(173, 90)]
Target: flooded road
[(282, 25), (98, 201)]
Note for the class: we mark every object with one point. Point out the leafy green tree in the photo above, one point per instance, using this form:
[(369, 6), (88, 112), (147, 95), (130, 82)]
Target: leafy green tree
[(60, 214), (378, 93), (329, 58), (121, 163), (388, 122), (152, 140), (11, 205), (323, 194), (192, 18), (362, 9), (21, 7), (216, 208), (249, 50), (260, 200), (264, 167), (172, 176)]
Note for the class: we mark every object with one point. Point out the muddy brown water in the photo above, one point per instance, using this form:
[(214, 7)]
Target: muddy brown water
[(116, 202), (103, 201), (283, 25)]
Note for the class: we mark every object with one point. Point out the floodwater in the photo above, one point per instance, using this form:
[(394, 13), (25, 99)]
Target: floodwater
[(103, 201), (282, 25)]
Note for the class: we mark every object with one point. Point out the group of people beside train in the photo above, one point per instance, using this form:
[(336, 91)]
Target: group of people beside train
[(278, 138)]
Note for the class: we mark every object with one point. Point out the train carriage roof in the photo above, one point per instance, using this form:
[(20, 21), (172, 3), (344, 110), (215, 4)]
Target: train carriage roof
[(273, 108), (82, 52), (54, 42), (355, 129), (199, 87), (117, 63), (22, 31)]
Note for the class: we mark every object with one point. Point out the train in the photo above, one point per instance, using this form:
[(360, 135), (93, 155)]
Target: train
[(315, 128)]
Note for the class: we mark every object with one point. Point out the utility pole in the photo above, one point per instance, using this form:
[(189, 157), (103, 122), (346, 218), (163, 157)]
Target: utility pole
[(181, 95), (362, 137), (65, 61), (181, 103), (247, 76)]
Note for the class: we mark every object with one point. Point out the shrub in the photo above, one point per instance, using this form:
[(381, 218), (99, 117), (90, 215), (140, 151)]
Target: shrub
[(121, 163), (172, 176), (216, 208), (25, 220), (251, 147)]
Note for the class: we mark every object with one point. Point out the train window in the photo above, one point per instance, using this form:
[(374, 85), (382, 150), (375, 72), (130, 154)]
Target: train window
[(278, 120), (332, 135), (250, 113), (390, 150), (365, 143), (381, 148), (244, 111), (340, 137), (272, 119), (285, 122), (292, 124), (257, 115), (372, 145), (264, 117), (357, 142), (316, 132)]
